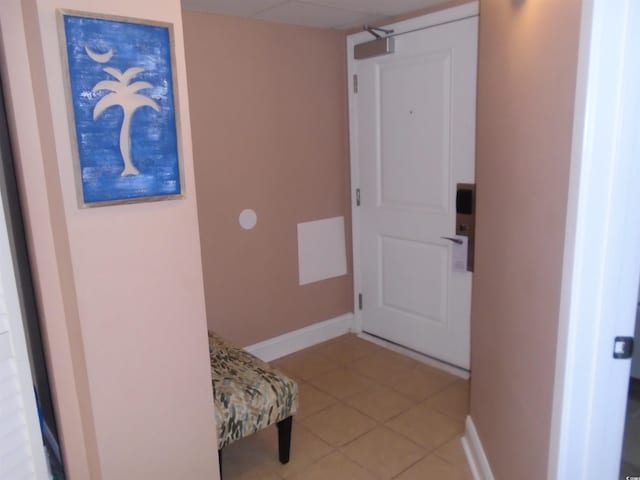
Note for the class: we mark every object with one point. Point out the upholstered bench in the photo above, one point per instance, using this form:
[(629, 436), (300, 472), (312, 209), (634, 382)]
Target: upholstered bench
[(249, 395)]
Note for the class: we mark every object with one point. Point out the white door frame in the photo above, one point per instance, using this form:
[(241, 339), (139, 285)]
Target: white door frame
[(418, 23), (602, 247)]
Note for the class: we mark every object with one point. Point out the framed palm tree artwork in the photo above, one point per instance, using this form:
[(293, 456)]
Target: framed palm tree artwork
[(123, 108)]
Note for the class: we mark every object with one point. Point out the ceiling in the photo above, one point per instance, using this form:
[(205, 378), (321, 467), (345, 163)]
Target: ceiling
[(336, 14)]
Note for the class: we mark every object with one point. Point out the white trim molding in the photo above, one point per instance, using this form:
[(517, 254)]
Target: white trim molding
[(601, 264), (474, 451), (306, 337)]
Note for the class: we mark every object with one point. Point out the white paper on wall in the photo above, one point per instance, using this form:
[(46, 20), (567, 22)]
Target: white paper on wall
[(321, 250)]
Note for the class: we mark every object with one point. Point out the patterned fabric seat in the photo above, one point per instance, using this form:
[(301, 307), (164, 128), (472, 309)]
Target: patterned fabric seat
[(249, 395)]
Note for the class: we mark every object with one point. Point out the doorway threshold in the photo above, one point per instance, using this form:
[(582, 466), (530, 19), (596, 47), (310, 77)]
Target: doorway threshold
[(420, 357)]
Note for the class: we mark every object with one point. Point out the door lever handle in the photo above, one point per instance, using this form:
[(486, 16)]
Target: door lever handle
[(457, 241)]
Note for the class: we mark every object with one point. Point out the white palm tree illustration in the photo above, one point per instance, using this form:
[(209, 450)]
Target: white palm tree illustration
[(125, 95)]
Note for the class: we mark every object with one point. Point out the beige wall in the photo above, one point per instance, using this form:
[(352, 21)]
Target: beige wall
[(120, 288), (526, 86), (268, 109)]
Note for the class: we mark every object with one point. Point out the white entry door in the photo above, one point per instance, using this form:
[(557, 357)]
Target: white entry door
[(413, 141)]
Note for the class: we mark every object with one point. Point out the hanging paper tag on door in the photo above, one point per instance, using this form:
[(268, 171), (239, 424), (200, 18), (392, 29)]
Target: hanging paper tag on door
[(459, 252)]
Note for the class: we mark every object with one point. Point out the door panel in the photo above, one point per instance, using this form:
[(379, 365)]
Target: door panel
[(414, 120), (406, 261), (415, 134)]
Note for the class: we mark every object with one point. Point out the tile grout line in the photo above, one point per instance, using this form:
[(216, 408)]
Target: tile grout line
[(320, 352)]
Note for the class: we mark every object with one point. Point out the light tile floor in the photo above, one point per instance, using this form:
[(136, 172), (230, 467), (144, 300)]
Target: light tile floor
[(365, 413)]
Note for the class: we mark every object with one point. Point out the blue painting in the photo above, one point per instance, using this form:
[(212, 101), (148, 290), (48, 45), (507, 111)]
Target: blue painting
[(123, 104)]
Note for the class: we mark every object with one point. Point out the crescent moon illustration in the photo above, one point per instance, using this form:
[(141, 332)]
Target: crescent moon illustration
[(99, 57)]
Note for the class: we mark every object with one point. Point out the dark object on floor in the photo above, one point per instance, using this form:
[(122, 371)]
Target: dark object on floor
[(249, 395)]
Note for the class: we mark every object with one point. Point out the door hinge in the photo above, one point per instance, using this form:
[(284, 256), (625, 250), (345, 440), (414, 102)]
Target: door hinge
[(623, 347), (355, 83), (360, 301), (357, 197)]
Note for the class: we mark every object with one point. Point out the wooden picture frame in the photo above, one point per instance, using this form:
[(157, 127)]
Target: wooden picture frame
[(123, 108)]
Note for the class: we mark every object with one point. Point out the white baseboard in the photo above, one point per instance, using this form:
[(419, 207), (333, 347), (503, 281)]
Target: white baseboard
[(478, 462), (299, 339)]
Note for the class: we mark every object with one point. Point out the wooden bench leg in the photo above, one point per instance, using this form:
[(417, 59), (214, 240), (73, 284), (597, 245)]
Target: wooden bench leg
[(284, 439)]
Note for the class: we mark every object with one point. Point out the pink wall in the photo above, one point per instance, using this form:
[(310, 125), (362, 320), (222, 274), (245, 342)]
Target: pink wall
[(526, 86), (120, 288), (268, 109), (47, 235)]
